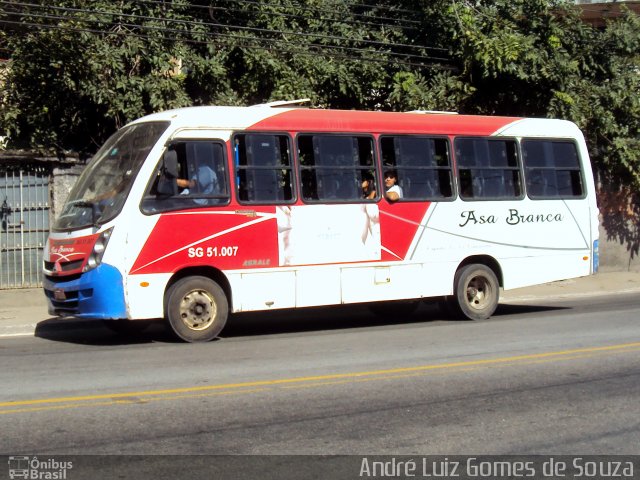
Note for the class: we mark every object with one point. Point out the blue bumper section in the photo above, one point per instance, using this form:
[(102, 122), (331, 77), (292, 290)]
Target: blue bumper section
[(97, 294)]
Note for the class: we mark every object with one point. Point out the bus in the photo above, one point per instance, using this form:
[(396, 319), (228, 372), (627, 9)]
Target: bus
[(19, 467), (197, 213)]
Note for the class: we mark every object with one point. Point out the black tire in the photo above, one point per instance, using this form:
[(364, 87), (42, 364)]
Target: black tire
[(477, 291), (196, 308), (127, 328)]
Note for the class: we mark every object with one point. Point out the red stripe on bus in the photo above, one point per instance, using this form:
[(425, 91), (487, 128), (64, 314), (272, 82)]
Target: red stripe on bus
[(343, 121), (398, 226), (195, 238)]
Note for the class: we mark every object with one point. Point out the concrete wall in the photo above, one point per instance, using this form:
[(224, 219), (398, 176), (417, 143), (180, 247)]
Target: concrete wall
[(619, 228), (62, 179), (615, 255)]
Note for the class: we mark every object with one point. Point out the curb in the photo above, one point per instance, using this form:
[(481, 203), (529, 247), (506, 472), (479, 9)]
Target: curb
[(506, 298)]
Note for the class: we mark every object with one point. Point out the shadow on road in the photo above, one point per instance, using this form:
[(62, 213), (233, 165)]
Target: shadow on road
[(93, 332), (280, 322)]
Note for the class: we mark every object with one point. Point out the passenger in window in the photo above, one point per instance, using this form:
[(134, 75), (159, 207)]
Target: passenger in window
[(204, 182), (368, 187), (394, 191)]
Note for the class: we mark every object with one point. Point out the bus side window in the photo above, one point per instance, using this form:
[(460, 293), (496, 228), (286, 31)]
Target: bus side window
[(332, 167), (488, 168), (206, 172), (552, 169), (199, 178), (264, 171), (422, 165)]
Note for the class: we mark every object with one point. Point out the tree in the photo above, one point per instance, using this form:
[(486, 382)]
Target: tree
[(603, 98), (113, 62), (76, 75), (339, 54), (537, 58)]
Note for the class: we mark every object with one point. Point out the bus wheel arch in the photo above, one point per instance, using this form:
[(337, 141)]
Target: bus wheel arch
[(197, 304), (476, 289), (486, 260)]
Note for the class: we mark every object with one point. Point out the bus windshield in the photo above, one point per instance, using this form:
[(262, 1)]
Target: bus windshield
[(101, 190)]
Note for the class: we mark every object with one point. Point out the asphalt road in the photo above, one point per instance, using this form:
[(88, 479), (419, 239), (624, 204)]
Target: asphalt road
[(558, 378)]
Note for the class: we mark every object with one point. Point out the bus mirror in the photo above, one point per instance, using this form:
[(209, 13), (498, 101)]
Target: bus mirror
[(170, 164), (167, 183)]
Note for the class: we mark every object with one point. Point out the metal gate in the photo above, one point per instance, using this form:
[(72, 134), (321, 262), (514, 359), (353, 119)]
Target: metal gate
[(24, 224)]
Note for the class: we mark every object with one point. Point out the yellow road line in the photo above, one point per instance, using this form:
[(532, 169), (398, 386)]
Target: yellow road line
[(376, 378), (324, 378), (120, 401)]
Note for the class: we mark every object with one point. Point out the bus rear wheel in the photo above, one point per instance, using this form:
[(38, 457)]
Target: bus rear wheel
[(196, 309), (476, 291)]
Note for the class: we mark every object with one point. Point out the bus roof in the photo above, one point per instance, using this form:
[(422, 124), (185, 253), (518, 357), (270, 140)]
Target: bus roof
[(265, 118)]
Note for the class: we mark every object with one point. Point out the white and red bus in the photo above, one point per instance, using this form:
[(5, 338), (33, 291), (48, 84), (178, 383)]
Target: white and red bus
[(195, 213)]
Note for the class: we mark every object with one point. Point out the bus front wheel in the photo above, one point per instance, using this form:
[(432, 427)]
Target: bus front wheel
[(196, 309), (476, 291)]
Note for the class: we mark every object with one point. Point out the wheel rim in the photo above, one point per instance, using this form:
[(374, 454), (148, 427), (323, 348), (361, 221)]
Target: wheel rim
[(198, 310), (479, 293)]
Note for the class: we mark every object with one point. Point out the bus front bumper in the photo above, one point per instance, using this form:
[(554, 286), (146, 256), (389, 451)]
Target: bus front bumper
[(97, 294)]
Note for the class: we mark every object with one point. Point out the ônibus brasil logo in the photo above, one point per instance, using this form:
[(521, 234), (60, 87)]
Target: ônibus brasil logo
[(34, 469)]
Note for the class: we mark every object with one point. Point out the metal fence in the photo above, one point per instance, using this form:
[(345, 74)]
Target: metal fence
[(24, 224)]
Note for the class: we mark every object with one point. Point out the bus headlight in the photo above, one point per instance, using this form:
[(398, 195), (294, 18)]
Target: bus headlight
[(95, 258)]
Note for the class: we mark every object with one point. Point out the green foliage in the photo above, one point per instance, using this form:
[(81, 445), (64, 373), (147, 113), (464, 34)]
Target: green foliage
[(70, 86), (443, 91), (112, 62), (537, 58), (318, 49), (603, 98)]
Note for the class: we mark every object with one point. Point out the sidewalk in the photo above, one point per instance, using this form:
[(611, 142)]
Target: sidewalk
[(603, 283), (21, 310)]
